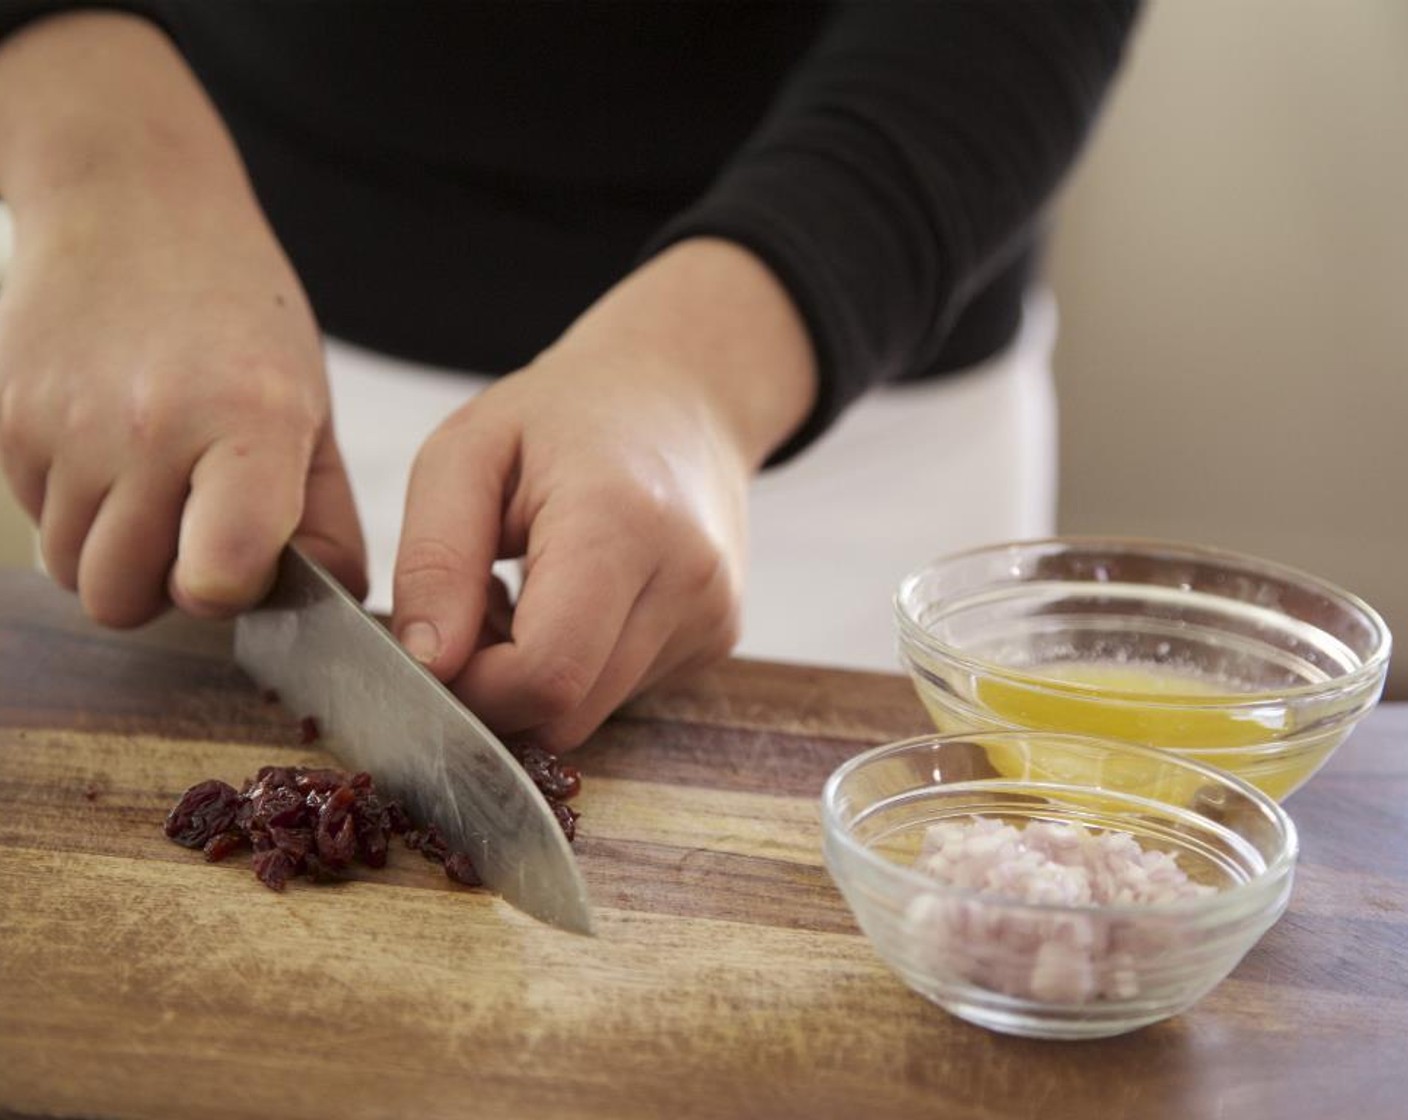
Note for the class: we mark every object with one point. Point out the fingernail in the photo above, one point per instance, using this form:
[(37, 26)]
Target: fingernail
[(422, 641)]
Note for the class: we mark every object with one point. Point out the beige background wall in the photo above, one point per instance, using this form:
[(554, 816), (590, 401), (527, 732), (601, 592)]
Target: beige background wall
[(1232, 265)]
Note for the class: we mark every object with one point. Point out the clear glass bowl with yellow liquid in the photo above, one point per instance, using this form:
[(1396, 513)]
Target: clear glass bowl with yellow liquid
[(1246, 665)]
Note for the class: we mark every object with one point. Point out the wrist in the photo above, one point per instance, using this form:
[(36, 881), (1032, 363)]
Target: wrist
[(710, 315), (103, 103)]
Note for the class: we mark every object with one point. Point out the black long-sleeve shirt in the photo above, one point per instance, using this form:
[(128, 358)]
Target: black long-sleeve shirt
[(455, 181)]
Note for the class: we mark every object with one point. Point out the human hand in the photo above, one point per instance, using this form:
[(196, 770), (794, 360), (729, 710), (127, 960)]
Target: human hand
[(617, 465), (164, 414), (633, 555)]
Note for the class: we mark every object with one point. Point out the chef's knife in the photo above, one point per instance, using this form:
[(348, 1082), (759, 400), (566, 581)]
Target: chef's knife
[(380, 710)]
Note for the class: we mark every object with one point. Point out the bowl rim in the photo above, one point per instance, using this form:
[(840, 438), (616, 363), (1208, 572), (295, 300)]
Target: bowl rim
[(1267, 881), (1372, 667)]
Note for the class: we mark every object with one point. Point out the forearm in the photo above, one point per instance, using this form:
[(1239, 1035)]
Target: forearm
[(711, 315), (907, 160), (105, 99)]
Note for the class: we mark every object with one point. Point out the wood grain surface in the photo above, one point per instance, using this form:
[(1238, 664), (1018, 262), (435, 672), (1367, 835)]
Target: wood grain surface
[(727, 980)]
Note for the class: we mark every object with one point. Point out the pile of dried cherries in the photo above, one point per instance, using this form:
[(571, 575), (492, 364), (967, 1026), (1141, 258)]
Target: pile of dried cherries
[(318, 822)]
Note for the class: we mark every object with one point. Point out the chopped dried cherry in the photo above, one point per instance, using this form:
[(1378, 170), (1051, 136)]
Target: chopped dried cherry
[(316, 821), (372, 848), (428, 842), (218, 847), (273, 867), (321, 781), (336, 831), (264, 806), (554, 781), (460, 868), (567, 818), (277, 777), (296, 843), (373, 827), (204, 811), (396, 818), (318, 871)]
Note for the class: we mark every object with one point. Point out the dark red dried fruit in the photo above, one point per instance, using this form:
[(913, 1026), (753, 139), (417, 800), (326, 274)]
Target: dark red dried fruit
[(218, 847), (204, 811), (396, 819), (264, 806), (373, 827), (319, 781), (317, 821), (275, 777), (318, 871), (428, 842), (372, 848), (273, 868), (554, 781), (570, 782), (307, 731), (296, 843), (294, 811), (336, 831), (567, 818), (460, 868)]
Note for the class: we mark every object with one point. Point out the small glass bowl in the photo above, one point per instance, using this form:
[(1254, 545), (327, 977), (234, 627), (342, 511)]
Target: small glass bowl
[(1055, 971), (1253, 667)]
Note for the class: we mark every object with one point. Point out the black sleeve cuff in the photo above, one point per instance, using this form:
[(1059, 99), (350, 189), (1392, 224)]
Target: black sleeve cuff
[(16, 13)]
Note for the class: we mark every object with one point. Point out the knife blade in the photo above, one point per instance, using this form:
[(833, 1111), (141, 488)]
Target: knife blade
[(380, 710)]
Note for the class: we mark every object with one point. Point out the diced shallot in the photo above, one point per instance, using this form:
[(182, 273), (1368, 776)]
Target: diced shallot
[(1058, 956)]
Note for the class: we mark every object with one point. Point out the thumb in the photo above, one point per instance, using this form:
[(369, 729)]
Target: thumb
[(329, 530), (449, 541)]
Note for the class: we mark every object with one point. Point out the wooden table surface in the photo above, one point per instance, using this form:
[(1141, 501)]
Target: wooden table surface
[(727, 980)]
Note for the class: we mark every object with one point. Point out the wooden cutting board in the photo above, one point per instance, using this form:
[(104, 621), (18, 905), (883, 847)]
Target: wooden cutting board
[(727, 979)]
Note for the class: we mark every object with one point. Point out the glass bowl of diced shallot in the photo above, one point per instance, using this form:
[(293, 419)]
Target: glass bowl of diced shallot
[(1053, 885)]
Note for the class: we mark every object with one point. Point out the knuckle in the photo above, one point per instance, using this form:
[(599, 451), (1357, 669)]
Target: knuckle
[(82, 418), (16, 423), (269, 390), (267, 396), (428, 563), (242, 557), (559, 687), (706, 575), (151, 415), (646, 510)]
